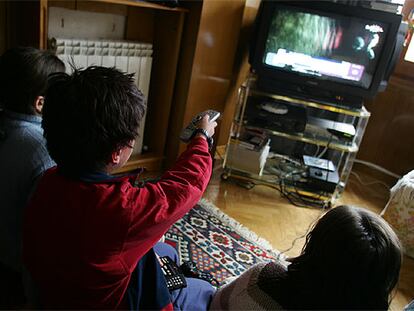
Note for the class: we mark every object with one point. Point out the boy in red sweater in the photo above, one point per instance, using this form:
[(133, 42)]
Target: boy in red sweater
[(85, 230)]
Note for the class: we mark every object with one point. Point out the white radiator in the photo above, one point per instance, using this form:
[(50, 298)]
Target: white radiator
[(129, 57)]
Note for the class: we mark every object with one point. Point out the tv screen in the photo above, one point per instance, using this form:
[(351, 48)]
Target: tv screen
[(324, 46)]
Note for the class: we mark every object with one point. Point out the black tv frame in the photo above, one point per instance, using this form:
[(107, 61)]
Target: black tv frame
[(272, 79)]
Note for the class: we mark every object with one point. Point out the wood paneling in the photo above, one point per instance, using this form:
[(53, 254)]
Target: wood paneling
[(101, 7), (143, 4), (212, 67), (389, 137), (184, 70), (67, 4), (241, 69), (110, 6), (23, 23), (215, 52), (140, 25), (44, 22), (167, 40)]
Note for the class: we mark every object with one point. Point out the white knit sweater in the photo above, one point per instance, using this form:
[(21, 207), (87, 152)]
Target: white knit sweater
[(244, 293)]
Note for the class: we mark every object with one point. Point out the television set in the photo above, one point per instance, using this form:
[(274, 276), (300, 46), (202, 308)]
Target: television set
[(323, 50)]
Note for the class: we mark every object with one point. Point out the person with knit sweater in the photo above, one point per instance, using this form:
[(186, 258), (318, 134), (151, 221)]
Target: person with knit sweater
[(351, 260), (23, 155)]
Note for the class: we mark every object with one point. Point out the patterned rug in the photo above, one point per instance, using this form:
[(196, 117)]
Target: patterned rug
[(217, 243)]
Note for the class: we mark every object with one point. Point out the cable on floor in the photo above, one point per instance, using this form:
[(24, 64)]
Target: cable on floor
[(375, 182), (378, 168)]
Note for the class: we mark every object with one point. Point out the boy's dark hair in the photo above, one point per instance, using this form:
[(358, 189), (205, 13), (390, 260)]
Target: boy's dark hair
[(23, 77), (88, 115), (351, 260)]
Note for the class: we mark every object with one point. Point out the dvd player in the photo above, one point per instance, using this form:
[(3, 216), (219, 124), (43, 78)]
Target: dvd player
[(338, 129), (320, 179)]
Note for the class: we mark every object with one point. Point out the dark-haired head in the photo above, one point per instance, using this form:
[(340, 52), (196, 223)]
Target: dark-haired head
[(89, 115), (23, 77), (351, 260)]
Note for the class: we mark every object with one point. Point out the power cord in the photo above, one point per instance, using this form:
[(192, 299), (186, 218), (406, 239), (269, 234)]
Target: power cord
[(312, 202), (295, 197), (292, 245), (378, 168), (375, 182)]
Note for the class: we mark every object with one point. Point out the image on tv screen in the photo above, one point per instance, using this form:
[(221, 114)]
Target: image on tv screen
[(337, 48)]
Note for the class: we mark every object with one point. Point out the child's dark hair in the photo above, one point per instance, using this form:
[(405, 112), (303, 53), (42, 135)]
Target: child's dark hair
[(23, 77), (351, 260), (88, 115)]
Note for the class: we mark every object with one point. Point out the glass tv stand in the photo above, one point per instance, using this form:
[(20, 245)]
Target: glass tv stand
[(303, 148)]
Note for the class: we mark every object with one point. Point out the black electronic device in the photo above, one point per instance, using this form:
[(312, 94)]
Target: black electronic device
[(187, 132), (322, 164), (340, 130), (275, 115), (190, 269), (322, 180), (174, 278), (323, 50)]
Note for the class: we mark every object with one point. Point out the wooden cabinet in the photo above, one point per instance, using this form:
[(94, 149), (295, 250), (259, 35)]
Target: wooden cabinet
[(145, 22), (194, 48), (206, 68)]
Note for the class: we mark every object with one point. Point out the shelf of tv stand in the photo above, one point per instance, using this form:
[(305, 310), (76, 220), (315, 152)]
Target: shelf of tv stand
[(272, 182), (329, 142), (332, 107), (150, 161)]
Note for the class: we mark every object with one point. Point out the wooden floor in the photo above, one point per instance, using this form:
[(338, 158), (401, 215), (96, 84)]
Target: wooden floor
[(265, 212)]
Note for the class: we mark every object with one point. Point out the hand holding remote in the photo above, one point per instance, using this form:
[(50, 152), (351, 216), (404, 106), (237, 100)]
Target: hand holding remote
[(205, 124)]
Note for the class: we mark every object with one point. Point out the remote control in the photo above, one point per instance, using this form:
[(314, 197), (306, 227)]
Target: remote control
[(189, 269), (187, 132), (173, 276)]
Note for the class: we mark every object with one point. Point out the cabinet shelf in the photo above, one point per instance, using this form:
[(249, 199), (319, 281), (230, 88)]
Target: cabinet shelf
[(311, 138), (151, 162), (309, 103), (142, 4)]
